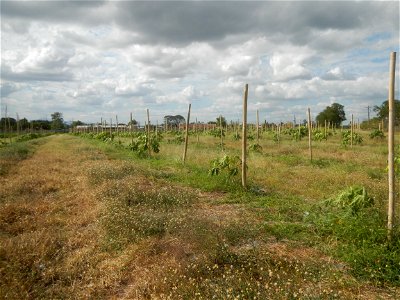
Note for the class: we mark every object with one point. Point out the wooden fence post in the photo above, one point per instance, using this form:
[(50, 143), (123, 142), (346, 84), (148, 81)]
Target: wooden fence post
[(221, 132), (197, 132), (186, 134), (116, 120), (131, 128), (309, 133), (244, 138), (258, 125), (391, 173), (351, 131), (148, 131)]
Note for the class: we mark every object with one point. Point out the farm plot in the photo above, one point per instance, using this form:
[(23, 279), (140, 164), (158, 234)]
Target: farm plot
[(85, 219)]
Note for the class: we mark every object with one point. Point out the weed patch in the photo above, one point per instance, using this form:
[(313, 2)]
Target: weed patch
[(356, 233)]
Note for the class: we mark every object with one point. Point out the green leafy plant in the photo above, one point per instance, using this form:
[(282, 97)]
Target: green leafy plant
[(216, 132), (236, 136), (346, 138), (104, 136), (142, 144), (276, 137), (230, 164), (376, 133), (296, 133), (255, 148), (352, 199), (318, 135)]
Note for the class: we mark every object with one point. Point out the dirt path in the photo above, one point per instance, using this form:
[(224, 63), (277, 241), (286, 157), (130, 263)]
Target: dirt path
[(76, 225)]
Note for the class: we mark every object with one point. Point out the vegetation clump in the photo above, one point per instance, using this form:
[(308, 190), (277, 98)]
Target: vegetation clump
[(230, 164), (346, 138), (352, 199), (143, 144), (354, 228), (376, 133)]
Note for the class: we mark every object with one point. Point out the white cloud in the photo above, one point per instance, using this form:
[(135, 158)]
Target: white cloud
[(291, 65), (121, 56)]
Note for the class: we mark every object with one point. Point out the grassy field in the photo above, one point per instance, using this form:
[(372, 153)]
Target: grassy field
[(85, 219)]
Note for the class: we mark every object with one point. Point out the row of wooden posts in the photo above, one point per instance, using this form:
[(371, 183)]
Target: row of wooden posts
[(391, 174), (391, 125)]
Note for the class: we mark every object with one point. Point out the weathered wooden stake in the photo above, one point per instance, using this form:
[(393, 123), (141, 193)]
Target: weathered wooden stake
[(244, 138), (186, 134), (116, 119), (17, 124), (148, 131), (391, 174), (221, 132), (131, 128), (309, 134), (351, 131), (197, 132), (258, 125)]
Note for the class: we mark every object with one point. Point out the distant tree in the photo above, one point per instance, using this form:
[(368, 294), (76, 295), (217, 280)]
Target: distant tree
[(333, 114), (220, 120), (134, 122), (57, 121), (382, 111), (6, 122), (24, 124), (41, 124), (77, 123), (174, 120)]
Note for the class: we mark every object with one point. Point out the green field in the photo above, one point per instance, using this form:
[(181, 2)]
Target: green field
[(84, 216)]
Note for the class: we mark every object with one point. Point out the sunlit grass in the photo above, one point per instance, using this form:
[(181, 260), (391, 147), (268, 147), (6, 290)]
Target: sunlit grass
[(98, 221)]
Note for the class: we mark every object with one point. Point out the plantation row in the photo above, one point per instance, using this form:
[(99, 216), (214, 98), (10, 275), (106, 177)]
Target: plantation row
[(142, 142)]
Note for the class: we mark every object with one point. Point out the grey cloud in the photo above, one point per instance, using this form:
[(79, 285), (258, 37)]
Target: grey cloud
[(7, 88), (53, 11), (177, 22), (8, 74), (185, 22)]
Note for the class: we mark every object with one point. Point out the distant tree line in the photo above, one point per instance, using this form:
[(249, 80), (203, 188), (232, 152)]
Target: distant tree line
[(56, 123)]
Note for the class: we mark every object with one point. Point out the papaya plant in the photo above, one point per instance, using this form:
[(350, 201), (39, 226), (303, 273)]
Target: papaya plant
[(229, 164)]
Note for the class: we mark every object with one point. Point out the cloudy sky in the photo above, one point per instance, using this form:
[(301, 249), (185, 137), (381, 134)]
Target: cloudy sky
[(93, 59)]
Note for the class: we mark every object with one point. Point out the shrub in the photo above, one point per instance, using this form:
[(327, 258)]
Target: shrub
[(230, 164), (346, 138), (376, 134)]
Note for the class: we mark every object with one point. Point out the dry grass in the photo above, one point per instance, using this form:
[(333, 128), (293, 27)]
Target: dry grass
[(82, 226)]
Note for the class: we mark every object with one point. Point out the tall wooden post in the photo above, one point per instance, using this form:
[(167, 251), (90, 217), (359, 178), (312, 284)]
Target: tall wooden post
[(244, 138), (17, 125), (309, 133), (131, 128), (116, 119), (221, 132), (186, 135), (197, 132), (110, 126), (351, 131), (391, 174), (148, 131), (258, 125)]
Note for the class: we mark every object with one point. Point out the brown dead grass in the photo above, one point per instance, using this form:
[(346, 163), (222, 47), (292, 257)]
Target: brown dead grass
[(52, 240)]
